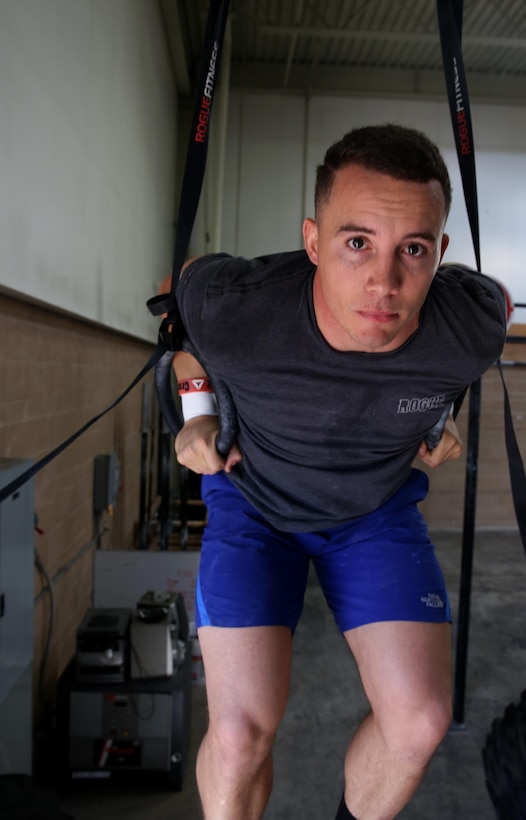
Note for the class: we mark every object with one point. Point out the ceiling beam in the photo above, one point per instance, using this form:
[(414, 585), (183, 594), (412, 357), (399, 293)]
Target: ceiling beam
[(386, 82), (415, 37)]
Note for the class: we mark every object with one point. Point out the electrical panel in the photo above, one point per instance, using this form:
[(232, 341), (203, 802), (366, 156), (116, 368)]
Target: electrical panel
[(106, 480)]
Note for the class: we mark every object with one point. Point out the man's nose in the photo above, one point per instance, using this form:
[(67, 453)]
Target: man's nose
[(383, 277)]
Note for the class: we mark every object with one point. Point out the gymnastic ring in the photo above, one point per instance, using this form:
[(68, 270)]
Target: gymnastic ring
[(171, 413)]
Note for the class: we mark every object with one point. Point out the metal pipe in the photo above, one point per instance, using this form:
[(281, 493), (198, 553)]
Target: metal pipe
[(223, 94)]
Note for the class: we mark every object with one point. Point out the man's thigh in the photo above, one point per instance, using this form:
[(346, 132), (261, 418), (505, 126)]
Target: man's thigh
[(250, 574), (383, 567), (404, 665), (247, 673)]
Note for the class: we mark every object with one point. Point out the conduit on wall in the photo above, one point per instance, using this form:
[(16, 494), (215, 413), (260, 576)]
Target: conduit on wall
[(223, 95)]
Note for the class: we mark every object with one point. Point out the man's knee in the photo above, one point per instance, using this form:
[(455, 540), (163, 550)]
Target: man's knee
[(432, 723), (415, 733), (242, 743)]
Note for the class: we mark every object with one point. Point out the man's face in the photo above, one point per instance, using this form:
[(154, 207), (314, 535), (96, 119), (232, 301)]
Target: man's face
[(376, 244)]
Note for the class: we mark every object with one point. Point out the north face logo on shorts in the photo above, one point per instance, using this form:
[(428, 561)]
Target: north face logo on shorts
[(433, 600)]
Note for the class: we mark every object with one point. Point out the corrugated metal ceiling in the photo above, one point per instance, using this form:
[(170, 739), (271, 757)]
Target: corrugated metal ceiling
[(356, 46)]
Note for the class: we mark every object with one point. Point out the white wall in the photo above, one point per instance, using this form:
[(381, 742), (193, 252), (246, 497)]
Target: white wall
[(87, 145), (276, 141)]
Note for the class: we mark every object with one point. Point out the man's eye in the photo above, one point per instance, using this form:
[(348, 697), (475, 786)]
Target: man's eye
[(357, 243), (415, 249)]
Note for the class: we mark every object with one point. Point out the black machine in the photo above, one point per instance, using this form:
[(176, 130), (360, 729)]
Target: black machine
[(112, 724), (102, 646)]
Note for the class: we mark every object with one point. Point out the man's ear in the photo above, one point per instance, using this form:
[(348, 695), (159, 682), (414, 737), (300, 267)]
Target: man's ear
[(445, 243), (310, 238)]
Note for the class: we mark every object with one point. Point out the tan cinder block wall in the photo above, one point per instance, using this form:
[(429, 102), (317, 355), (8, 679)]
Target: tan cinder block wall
[(444, 506), (56, 373)]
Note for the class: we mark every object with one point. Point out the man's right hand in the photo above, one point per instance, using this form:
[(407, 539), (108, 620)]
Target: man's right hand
[(195, 447)]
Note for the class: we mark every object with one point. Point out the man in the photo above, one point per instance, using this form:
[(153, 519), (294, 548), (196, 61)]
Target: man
[(341, 360)]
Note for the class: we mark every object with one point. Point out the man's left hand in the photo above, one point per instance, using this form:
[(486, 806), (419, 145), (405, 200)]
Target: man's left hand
[(448, 448)]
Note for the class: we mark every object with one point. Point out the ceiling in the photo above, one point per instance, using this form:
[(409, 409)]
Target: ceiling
[(369, 47)]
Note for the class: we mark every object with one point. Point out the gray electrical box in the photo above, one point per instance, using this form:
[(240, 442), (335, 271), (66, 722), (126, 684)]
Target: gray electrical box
[(17, 521), (106, 479)]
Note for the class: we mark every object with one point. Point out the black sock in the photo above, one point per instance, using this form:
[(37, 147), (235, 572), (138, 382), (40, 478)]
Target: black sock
[(343, 812)]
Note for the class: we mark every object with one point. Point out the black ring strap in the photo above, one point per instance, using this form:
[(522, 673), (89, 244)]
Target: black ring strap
[(450, 26)]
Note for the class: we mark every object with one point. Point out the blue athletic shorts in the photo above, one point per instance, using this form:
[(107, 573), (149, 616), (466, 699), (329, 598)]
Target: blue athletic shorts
[(380, 567)]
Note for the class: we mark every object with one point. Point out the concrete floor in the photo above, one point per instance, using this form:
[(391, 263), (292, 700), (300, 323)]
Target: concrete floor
[(326, 704)]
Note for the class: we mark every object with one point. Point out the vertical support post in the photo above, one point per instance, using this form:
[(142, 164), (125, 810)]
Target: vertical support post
[(468, 538), (223, 94), (163, 482), (143, 508)]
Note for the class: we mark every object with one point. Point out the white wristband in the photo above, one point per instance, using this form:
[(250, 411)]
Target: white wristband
[(198, 404)]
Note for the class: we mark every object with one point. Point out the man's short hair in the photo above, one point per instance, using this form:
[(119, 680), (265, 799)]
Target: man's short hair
[(400, 152)]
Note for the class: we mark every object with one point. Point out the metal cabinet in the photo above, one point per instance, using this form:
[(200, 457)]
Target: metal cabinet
[(16, 620)]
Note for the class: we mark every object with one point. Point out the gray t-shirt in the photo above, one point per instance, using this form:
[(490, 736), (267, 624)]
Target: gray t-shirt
[(326, 435)]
